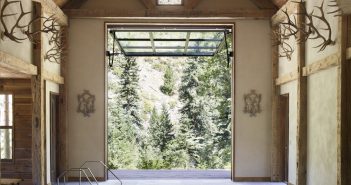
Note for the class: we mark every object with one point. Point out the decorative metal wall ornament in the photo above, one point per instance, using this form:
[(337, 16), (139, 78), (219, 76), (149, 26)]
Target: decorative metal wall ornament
[(86, 103), (252, 103)]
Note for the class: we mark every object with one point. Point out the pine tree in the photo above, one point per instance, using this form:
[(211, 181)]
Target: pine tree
[(129, 81), (168, 87), (161, 129)]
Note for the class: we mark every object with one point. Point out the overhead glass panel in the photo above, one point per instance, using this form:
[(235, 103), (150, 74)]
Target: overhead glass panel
[(168, 41)]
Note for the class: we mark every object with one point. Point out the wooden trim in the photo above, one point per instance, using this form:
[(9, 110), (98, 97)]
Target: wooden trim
[(301, 137), (252, 179), (53, 77), (345, 5), (50, 7), (276, 162), (149, 4), (16, 65), (344, 110), (292, 76), (348, 53), (191, 4), (60, 3), (233, 95), (326, 63), (263, 4), (279, 17), (238, 14)]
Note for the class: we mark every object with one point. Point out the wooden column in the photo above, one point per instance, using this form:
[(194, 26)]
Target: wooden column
[(62, 128), (344, 108), (38, 127), (277, 161), (301, 138)]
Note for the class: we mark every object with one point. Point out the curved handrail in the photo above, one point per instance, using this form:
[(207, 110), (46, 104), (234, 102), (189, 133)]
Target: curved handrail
[(106, 167)]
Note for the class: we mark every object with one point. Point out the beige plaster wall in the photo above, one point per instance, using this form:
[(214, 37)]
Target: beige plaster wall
[(21, 50), (253, 71), (86, 71), (86, 135)]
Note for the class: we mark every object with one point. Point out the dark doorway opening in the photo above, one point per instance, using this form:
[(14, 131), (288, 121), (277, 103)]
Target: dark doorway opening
[(54, 121)]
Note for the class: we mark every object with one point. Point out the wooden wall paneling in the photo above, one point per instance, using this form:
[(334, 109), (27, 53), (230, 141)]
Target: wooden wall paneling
[(38, 130), (21, 167), (301, 139), (344, 108), (277, 162)]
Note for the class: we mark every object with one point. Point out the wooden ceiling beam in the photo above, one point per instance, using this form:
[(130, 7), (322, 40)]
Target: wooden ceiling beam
[(51, 8), (264, 4), (149, 4), (279, 3), (15, 65), (74, 4), (237, 14), (191, 4), (61, 3)]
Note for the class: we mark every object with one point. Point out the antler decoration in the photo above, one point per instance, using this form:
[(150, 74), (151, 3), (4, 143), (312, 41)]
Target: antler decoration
[(309, 29), (281, 39), (49, 25), (334, 4)]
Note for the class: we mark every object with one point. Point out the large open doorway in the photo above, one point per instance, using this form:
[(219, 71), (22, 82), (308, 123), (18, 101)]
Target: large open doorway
[(54, 121), (284, 125), (169, 100)]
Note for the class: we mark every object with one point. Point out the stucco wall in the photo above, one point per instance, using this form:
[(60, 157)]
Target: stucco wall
[(252, 71), (86, 135), (253, 135)]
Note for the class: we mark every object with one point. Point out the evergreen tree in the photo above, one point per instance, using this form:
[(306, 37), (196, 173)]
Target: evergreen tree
[(168, 87), (129, 81), (161, 129)]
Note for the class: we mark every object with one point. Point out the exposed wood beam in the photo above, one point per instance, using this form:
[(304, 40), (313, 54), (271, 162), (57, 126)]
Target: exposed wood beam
[(61, 3), (326, 63), (279, 3), (276, 161), (51, 8), (53, 77), (292, 76), (191, 4), (279, 17), (238, 14), (264, 4), (16, 65), (38, 126), (348, 53), (74, 4), (301, 138), (345, 5), (149, 4)]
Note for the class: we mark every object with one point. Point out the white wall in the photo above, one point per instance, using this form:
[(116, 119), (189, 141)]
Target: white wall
[(253, 71)]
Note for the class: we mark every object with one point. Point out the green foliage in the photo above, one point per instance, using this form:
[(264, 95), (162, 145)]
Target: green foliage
[(168, 87), (141, 137)]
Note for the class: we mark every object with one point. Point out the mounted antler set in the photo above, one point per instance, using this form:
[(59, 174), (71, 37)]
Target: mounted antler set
[(20, 30), (309, 29)]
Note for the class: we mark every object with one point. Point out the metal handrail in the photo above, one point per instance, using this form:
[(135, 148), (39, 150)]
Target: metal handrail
[(80, 170), (106, 167)]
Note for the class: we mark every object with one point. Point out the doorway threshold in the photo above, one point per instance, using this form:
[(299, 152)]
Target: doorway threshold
[(171, 174)]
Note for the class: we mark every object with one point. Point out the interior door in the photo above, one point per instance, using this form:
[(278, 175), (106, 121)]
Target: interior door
[(54, 120), (284, 123)]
